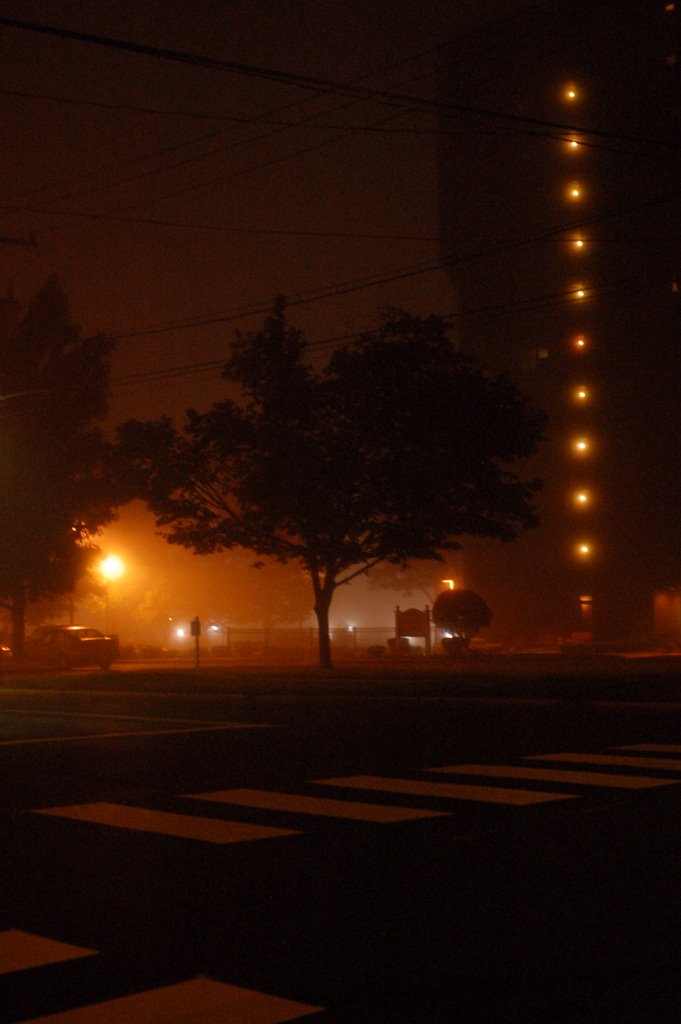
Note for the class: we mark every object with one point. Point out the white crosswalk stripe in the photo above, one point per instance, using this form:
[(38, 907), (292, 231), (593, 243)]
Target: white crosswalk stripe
[(20, 951), (654, 748), (183, 826), (201, 1001), (573, 778), (447, 790), (612, 760), (314, 805)]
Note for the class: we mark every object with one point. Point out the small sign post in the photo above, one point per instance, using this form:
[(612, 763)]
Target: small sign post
[(196, 633)]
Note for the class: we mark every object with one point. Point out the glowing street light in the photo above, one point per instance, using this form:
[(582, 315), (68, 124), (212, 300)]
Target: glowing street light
[(112, 567)]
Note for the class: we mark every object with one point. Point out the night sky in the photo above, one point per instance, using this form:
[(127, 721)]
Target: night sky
[(244, 210)]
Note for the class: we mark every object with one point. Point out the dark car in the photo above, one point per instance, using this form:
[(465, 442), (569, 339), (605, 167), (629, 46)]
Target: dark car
[(67, 646)]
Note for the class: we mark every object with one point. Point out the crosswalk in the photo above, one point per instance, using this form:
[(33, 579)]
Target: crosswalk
[(429, 793), (200, 1000), (426, 795)]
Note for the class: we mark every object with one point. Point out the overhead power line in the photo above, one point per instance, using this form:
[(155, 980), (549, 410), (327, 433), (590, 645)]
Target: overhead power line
[(545, 300), (320, 85), (371, 281)]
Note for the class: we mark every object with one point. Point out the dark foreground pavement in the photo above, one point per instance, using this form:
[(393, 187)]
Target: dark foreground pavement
[(486, 908)]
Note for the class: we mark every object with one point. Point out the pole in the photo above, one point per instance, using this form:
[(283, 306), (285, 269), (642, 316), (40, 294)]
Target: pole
[(196, 633)]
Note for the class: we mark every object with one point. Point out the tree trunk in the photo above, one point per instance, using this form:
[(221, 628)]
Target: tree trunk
[(321, 608), (18, 624)]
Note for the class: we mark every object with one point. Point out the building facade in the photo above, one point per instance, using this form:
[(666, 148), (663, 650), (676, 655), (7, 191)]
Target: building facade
[(560, 221)]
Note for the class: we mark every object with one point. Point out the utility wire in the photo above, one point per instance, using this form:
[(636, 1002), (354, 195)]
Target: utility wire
[(314, 84), (369, 281), (544, 300)]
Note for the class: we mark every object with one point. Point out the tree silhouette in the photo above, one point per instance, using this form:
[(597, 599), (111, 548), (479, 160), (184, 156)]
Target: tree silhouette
[(56, 491), (392, 451), (462, 613)]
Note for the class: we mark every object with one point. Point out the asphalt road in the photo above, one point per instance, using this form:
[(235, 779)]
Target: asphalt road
[(285, 847)]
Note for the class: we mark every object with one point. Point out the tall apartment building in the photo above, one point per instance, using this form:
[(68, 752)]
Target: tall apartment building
[(560, 212)]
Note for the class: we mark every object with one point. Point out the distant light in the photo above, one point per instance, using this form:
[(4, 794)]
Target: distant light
[(581, 445), (580, 293), (450, 583), (670, 7), (180, 632), (583, 550), (570, 92), (575, 192), (581, 394), (214, 629), (578, 243), (580, 342), (582, 498)]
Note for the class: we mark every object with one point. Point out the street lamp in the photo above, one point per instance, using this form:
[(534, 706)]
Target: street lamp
[(111, 568)]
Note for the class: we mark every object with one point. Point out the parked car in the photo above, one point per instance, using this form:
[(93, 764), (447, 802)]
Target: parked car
[(67, 646)]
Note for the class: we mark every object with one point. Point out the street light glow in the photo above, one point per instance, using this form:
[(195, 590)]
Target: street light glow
[(112, 567)]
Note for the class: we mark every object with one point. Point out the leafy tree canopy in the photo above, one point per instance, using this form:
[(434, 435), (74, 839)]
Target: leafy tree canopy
[(395, 449), (56, 491)]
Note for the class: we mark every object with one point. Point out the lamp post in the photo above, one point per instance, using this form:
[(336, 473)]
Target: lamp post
[(111, 568)]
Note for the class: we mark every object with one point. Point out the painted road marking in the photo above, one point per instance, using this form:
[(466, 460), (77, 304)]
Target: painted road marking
[(322, 806), (612, 759), (137, 718), (183, 826), (119, 735), (659, 748), (556, 775), (201, 1001), (21, 950), (447, 790)]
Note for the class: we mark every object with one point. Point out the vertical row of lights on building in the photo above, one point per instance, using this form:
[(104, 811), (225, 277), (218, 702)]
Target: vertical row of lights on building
[(580, 389)]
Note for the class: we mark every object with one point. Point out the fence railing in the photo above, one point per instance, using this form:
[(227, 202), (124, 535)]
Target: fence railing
[(345, 642)]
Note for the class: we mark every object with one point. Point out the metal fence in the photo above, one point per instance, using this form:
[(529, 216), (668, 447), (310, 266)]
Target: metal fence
[(369, 641)]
